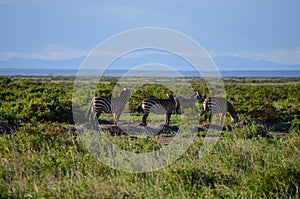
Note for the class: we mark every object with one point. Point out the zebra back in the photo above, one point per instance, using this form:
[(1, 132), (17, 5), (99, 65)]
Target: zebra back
[(219, 105), (102, 104), (188, 102), (158, 106), (215, 105)]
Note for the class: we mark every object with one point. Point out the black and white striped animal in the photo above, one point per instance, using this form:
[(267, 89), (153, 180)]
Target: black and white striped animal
[(109, 105), (221, 106), (158, 106), (185, 103)]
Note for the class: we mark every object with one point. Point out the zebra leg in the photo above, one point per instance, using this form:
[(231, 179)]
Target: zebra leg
[(91, 117), (168, 116), (210, 117), (116, 118), (205, 116), (144, 122), (221, 118), (97, 115)]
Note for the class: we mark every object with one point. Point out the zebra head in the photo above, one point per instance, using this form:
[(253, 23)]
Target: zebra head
[(235, 119), (170, 96), (198, 96)]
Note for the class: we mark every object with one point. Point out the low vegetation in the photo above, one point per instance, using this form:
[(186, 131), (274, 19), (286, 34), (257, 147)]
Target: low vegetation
[(44, 157)]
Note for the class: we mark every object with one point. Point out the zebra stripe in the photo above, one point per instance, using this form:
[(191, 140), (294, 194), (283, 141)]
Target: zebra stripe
[(186, 103), (221, 106), (158, 106), (109, 105)]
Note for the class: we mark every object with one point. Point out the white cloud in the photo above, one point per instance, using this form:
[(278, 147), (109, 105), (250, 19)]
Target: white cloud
[(285, 56), (148, 52), (145, 52)]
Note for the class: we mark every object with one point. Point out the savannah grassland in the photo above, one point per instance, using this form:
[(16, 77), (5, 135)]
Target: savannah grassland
[(44, 157)]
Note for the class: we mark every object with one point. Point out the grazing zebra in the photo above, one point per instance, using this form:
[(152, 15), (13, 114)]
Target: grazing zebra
[(221, 106), (184, 103), (109, 105), (158, 106)]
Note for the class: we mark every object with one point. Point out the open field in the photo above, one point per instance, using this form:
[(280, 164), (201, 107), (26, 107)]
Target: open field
[(42, 155)]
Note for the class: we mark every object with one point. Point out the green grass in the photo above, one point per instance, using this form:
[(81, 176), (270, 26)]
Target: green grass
[(43, 160), (175, 119)]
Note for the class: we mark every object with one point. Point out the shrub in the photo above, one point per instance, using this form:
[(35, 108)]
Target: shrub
[(249, 131)]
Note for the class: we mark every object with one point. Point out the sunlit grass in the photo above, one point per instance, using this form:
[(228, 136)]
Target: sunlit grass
[(37, 163), (45, 159)]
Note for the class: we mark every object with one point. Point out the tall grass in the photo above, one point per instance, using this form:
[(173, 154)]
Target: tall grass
[(44, 161)]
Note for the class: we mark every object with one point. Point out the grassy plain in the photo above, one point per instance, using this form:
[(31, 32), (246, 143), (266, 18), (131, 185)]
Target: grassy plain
[(259, 158)]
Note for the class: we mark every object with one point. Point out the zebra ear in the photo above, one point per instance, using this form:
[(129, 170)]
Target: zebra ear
[(171, 94)]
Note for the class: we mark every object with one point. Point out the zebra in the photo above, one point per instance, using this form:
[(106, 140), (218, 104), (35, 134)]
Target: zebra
[(159, 106), (185, 103), (221, 106), (109, 105)]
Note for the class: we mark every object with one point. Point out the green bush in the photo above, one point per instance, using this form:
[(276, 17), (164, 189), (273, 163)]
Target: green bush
[(41, 100), (249, 131), (50, 107)]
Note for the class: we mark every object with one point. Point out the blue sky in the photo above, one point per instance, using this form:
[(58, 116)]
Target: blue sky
[(67, 29)]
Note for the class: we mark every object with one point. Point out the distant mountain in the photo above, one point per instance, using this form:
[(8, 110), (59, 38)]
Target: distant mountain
[(227, 63), (39, 63), (224, 63)]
